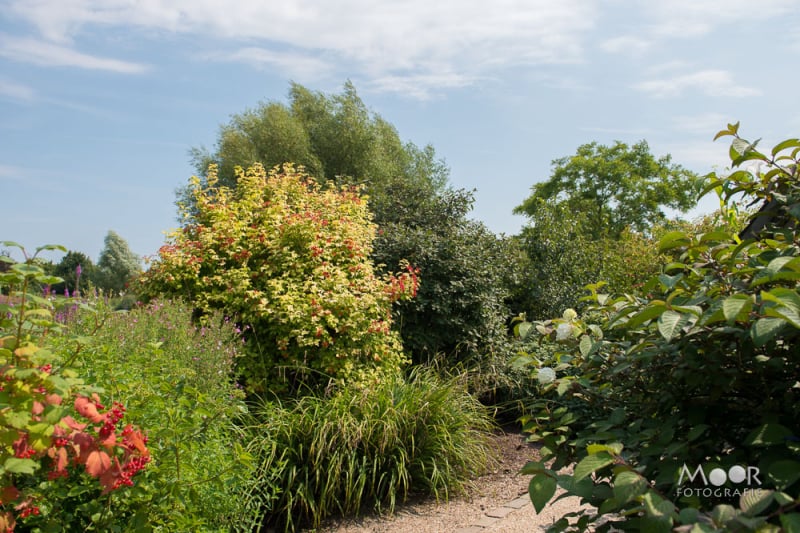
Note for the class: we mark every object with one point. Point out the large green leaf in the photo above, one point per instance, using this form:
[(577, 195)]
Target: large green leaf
[(791, 522), (628, 485), (764, 330), (670, 324), (753, 502), (767, 434), (736, 307), (541, 489), (592, 463), (20, 466)]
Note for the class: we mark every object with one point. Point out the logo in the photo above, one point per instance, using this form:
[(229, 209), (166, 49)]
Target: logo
[(743, 478)]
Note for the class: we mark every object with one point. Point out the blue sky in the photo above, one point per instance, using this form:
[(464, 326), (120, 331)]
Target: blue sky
[(102, 100)]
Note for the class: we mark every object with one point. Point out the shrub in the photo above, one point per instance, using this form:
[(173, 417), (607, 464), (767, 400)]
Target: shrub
[(670, 403), (370, 448), (291, 261), (177, 378), (49, 418)]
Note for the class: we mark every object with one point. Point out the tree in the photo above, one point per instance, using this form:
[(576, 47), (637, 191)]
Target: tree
[(289, 260), (335, 138), (117, 265), (338, 139), (697, 375), (460, 308), (615, 187), (78, 272)]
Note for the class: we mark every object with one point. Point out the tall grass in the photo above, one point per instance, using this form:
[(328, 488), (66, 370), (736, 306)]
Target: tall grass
[(370, 448)]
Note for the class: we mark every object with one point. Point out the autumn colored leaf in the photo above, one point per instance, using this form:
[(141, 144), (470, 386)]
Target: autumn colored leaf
[(97, 463), (87, 409)]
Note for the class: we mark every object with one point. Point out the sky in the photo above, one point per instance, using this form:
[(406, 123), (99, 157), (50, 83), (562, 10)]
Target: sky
[(101, 100)]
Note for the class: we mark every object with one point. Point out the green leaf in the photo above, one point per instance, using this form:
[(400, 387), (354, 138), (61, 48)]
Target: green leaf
[(670, 281), (541, 490), (656, 506), (737, 307), (791, 522), (783, 473), (788, 143), (670, 324), (16, 465), (673, 239), (753, 502), (592, 463), (722, 514), (768, 434), (764, 330), (696, 432), (585, 345), (648, 313), (628, 485)]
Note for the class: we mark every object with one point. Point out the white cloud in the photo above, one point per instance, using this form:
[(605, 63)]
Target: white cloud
[(710, 82), (16, 91), (381, 40), (690, 18), (419, 86), (50, 54), (707, 124), (299, 66), (627, 44)]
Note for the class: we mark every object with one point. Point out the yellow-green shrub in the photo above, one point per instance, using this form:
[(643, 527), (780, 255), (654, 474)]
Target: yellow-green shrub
[(290, 260)]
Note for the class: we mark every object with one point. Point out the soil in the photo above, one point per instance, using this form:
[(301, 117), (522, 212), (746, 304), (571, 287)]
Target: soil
[(468, 512)]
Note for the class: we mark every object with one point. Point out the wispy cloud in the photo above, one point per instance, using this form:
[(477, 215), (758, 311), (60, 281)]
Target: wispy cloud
[(50, 54), (691, 18), (706, 124), (627, 44), (386, 42), (16, 91), (299, 66), (709, 82)]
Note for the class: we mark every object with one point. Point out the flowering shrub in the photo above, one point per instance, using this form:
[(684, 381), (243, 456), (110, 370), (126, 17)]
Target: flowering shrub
[(290, 260), (37, 426)]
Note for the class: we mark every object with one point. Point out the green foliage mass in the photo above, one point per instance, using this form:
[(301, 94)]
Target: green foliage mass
[(117, 265), (175, 378), (615, 187), (335, 138), (460, 309), (369, 449), (67, 269), (291, 261), (698, 370)]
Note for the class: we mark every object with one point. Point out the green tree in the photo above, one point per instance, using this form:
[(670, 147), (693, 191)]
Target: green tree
[(337, 138), (334, 137), (615, 187), (460, 309), (701, 371), (71, 265), (117, 265)]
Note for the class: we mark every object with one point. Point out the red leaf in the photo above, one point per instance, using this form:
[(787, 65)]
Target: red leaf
[(97, 463), (73, 424), (87, 409)]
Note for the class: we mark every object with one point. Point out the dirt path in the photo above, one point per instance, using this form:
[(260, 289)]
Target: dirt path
[(498, 502)]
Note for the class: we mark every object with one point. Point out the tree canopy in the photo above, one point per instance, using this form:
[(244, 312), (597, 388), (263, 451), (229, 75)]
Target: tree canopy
[(334, 137), (117, 264), (615, 187)]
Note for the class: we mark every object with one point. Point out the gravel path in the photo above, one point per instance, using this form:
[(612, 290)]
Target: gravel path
[(498, 502)]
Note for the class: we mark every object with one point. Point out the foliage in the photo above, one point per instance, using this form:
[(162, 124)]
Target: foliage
[(335, 138), (370, 448), (78, 272), (176, 378), (459, 310), (563, 257), (290, 260), (615, 187), (37, 426), (701, 373), (117, 265)]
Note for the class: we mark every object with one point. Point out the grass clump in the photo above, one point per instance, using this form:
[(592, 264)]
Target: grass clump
[(363, 449)]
